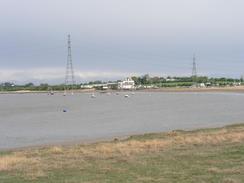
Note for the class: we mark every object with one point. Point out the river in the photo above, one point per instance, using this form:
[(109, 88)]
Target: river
[(38, 119)]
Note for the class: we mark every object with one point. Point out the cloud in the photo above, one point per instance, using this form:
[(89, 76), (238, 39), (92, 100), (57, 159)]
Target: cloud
[(57, 75), (112, 39)]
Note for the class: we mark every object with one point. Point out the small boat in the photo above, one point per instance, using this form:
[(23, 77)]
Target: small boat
[(93, 95), (50, 91)]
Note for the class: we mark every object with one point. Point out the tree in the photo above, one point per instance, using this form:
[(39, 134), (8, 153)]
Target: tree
[(155, 80), (241, 79), (29, 85), (43, 86), (145, 79), (8, 84), (136, 80)]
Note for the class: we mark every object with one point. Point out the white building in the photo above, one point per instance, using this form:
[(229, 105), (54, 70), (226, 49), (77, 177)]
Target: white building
[(127, 84), (202, 85)]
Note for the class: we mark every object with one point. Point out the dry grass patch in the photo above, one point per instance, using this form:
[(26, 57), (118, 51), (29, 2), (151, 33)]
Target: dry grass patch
[(55, 150), (19, 162), (9, 162), (131, 147), (229, 180)]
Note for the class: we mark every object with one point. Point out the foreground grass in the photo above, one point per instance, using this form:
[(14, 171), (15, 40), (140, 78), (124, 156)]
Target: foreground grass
[(208, 155)]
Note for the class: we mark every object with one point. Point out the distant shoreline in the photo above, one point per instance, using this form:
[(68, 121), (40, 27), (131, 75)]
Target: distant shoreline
[(43, 91), (236, 89)]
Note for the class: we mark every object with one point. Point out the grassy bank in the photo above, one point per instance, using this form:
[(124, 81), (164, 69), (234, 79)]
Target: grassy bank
[(207, 155)]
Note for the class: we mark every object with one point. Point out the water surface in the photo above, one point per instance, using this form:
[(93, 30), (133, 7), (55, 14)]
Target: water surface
[(38, 119)]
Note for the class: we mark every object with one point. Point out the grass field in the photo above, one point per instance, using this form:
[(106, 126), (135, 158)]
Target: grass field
[(203, 156)]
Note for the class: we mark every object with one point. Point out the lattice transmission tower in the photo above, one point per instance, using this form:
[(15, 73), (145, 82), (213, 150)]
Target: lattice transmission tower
[(194, 66), (69, 76), (194, 69)]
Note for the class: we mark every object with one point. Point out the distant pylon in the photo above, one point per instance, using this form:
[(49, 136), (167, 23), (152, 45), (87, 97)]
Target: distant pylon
[(194, 69), (69, 76)]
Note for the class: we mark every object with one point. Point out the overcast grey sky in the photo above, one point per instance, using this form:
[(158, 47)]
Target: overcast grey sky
[(115, 38)]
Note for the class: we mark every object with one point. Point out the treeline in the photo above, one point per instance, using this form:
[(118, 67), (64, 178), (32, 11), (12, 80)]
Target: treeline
[(184, 81), (7, 86), (144, 80)]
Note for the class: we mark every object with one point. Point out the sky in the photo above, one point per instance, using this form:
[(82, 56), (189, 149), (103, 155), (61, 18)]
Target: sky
[(113, 39)]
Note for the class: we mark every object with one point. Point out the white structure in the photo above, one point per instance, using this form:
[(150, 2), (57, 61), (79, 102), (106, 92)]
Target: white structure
[(127, 84), (202, 85), (87, 86)]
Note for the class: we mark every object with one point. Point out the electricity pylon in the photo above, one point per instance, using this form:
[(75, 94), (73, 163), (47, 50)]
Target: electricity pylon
[(194, 70), (69, 76)]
